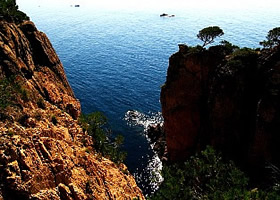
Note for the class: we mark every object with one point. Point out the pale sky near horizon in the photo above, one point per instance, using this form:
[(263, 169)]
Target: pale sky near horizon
[(162, 4)]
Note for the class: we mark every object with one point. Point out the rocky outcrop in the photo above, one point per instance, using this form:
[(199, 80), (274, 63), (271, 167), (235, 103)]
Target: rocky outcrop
[(157, 139), (228, 101), (44, 153), (184, 100), (28, 54)]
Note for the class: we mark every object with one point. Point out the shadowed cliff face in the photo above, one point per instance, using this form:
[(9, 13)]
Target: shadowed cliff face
[(44, 153), (266, 140), (230, 102), (184, 101)]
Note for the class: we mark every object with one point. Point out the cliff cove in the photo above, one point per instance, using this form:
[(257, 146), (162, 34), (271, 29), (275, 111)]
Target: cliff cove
[(116, 62)]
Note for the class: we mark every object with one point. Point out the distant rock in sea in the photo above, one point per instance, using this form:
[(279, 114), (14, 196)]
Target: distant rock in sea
[(166, 15)]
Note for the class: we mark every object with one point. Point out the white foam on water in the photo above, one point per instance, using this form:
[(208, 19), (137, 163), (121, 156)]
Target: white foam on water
[(154, 166), (136, 118)]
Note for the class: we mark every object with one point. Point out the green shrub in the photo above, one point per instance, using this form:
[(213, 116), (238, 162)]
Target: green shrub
[(244, 52), (10, 91), (194, 50), (229, 47), (9, 12), (95, 124), (273, 38), (243, 58), (207, 176)]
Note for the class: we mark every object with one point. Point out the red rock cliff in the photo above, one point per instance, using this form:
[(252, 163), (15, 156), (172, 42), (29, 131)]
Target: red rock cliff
[(183, 101), (230, 102), (44, 153)]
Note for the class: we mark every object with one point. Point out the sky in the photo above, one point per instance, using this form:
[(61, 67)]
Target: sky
[(184, 3), (161, 4)]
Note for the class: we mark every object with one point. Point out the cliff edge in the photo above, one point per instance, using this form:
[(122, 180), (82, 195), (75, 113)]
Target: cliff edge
[(227, 100), (44, 153)]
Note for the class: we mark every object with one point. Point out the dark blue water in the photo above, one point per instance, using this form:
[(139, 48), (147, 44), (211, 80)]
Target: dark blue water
[(116, 59)]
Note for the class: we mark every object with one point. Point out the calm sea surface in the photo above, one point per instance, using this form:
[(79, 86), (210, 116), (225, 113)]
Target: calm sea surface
[(116, 58)]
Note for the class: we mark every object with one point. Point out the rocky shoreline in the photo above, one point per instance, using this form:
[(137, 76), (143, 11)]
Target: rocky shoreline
[(156, 136)]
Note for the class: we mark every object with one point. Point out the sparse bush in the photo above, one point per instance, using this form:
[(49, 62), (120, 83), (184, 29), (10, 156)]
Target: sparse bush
[(244, 52), (244, 58), (207, 176), (229, 47), (196, 49), (96, 126), (203, 176), (273, 38), (10, 91)]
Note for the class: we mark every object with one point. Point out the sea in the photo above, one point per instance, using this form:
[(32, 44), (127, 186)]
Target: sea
[(115, 55)]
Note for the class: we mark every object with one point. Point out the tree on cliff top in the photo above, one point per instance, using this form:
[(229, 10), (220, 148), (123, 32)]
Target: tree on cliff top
[(208, 34), (10, 13), (273, 38)]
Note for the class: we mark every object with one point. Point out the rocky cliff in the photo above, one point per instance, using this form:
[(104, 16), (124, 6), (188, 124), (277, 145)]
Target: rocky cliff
[(44, 153), (228, 100)]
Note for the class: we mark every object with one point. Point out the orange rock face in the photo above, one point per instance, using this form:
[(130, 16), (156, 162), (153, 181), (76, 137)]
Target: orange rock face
[(43, 158)]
